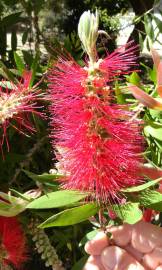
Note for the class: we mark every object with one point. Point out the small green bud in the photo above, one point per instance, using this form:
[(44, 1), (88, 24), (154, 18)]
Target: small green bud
[(88, 33)]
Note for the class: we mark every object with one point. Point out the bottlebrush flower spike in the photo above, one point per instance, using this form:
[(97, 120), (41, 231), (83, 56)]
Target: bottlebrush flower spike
[(142, 96), (12, 244), (99, 144), (17, 104)]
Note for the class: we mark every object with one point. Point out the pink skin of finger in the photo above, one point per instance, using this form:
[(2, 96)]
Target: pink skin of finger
[(94, 263), (153, 259), (116, 258), (121, 234), (142, 243), (95, 246), (133, 252), (112, 257), (146, 236), (159, 267)]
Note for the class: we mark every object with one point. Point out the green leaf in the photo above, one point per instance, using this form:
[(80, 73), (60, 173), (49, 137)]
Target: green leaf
[(13, 40), (151, 72), (57, 199), (129, 212), (71, 216), (155, 130), (20, 195), (4, 206), (25, 36), (28, 58), (158, 23), (134, 78), (89, 236), (19, 63), (150, 199), (148, 26), (142, 187), (43, 178), (119, 95), (13, 208), (11, 19), (7, 73), (153, 75)]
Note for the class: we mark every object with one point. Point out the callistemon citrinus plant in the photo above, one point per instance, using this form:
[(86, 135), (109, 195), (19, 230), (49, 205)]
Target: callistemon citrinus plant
[(12, 243), (17, 104), (98, 142)]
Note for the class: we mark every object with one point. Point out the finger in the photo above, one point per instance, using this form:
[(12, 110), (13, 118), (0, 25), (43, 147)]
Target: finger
[(95, 246), (153, 259), (159, 267), (134, 252), (146, 236), (121, 234), (116, 258), (94, 263)]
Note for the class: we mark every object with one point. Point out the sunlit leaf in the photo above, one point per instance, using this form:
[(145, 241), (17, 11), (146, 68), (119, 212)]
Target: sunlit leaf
[(71, 216), (129, 212), (19, 63), (57, 199), (142, 187), (150, 199)]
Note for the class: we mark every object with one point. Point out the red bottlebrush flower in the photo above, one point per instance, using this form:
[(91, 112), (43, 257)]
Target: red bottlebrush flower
[(119, 62), (16, 105), (12, 242), (100, 144)]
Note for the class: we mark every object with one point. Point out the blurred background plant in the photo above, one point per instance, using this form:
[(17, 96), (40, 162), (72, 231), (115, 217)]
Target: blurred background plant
[(32, 35)]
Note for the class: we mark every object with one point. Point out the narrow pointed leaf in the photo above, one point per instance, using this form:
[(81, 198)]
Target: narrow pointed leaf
[(134, 79), (144, 98), (71, 216), (19, 63), (142, 187), (43, 178), (57, 199)]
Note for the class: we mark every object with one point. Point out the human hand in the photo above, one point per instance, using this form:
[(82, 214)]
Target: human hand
[(131, 247)]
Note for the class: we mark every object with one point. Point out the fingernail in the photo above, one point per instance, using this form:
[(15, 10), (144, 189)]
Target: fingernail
[(111, 256)]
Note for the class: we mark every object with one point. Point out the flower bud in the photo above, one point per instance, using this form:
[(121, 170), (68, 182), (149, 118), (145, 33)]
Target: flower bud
[(88, 32)]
